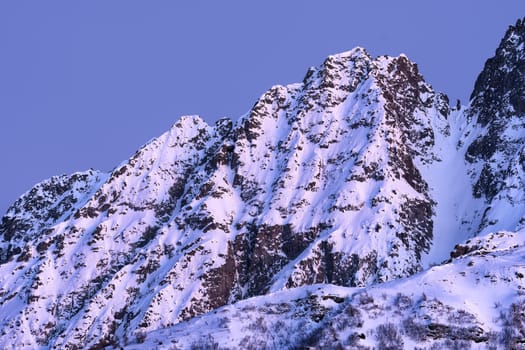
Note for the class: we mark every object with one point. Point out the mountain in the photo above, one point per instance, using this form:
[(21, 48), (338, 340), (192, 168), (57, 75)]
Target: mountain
[(355, 209)]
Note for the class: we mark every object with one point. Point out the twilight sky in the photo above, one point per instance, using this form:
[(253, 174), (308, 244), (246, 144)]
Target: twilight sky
[(83, 84)]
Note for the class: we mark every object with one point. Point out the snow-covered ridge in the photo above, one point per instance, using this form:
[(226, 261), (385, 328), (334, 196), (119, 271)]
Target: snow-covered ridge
[(361, 176)]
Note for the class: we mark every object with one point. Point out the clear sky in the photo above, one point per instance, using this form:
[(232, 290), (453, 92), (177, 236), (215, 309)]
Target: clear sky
[(83, 84)]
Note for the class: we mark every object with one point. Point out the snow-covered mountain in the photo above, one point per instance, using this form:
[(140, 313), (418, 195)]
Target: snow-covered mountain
[(354, 209)]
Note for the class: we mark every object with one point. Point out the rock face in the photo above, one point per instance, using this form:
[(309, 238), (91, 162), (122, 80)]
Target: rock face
[(497, 152), (335, 180)]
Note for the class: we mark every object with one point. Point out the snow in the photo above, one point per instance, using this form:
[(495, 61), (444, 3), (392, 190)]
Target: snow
[(341, 163), (433, 296), (449, 182)]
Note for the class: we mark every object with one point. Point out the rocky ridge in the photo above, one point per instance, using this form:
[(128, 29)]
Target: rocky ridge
[(341, 179)]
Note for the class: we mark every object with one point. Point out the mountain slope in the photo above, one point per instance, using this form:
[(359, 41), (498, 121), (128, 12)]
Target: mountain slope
[(318, 183), (435, 309), (359, 175), (497, 153)]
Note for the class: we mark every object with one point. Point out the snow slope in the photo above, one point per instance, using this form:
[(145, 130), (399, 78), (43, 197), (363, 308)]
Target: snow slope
[(433, 309)]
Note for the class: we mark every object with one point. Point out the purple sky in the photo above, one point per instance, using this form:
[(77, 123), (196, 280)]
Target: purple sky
[(84, 84)]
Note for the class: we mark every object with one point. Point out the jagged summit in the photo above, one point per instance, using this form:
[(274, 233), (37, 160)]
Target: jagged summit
[(497, 149), (359, 175), (319, 183), (500, 88)]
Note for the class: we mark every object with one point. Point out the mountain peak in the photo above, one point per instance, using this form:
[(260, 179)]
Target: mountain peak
[(513, 40), (355, 53), (496, 151), (189, 120), (500, 88), (359, 175)]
